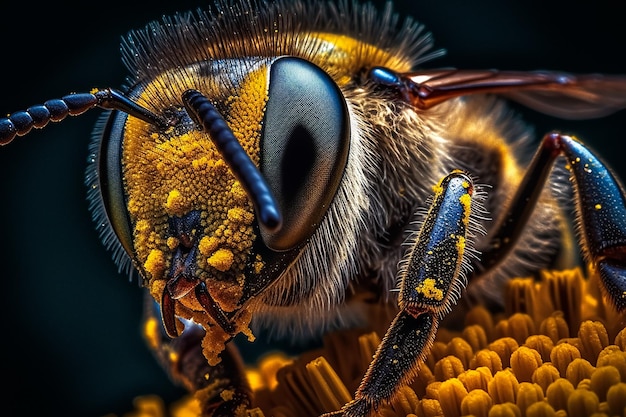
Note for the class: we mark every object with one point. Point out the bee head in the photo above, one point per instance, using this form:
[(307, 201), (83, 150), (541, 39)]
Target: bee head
[(208, 232), (213, 207)]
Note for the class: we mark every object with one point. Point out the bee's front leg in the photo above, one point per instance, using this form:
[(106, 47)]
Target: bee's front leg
[(431, 278), (221, 389)]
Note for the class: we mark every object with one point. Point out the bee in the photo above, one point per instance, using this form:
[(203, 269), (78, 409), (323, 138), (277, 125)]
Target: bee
[(389, 91)]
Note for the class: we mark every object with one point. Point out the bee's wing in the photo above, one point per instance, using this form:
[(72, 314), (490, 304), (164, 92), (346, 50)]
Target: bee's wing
[(558, 94)]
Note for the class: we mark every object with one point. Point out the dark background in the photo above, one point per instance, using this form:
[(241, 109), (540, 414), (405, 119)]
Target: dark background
[(71, 344)]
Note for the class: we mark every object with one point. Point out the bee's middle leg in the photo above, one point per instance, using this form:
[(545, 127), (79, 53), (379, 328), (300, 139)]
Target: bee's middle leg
[(601, 207), (431, 277)]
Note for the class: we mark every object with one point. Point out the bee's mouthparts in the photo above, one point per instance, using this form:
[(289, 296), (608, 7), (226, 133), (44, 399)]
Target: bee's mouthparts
[(182, 277)]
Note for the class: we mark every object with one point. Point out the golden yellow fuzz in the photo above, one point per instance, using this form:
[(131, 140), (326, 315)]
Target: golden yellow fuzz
[(344, 56)]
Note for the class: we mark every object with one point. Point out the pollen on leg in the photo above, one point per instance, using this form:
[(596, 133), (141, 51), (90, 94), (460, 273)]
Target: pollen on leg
[(428, 288)]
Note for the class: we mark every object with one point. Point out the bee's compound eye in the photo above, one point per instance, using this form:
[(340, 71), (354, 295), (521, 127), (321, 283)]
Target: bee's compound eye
[(106, 187), (304, 146)]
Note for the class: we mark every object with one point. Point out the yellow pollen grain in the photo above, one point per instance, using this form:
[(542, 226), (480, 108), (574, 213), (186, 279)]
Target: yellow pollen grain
[(227, 394), (598, 206), (238, 193), (155, 263), (201, 163), (428, 288), (208, 245), (142, 226), (221, 260), (175, 203), (466, 202), (258, 267), (460, 243), (149, 405), (240, 215), (172, 242)]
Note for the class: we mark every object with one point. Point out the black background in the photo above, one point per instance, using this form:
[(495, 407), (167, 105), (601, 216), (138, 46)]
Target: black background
[(71, 344)]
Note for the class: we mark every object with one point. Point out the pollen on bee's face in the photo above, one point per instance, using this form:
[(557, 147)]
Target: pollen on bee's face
[(186, 174), (182, 196)]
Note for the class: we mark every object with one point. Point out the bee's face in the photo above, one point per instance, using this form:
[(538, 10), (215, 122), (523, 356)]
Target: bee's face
[(52, 247), (178, 209)]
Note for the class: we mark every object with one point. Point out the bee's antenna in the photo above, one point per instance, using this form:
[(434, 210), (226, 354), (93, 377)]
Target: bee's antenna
[(55, 110), (204, 113)]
